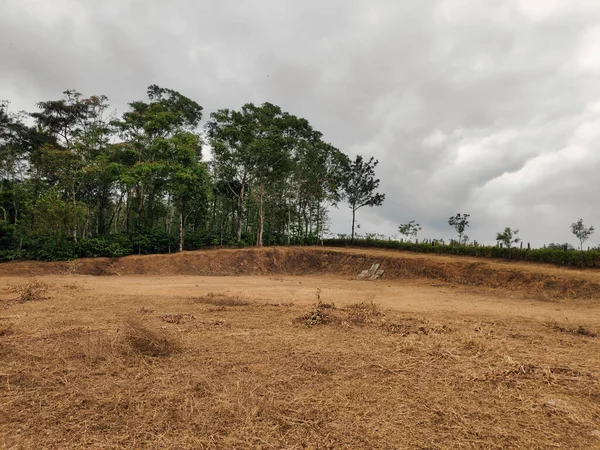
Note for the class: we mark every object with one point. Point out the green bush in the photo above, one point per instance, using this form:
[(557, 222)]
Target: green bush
[(569, 258)]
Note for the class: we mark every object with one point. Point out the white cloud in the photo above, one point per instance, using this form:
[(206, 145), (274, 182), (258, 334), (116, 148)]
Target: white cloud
[(489, 108)]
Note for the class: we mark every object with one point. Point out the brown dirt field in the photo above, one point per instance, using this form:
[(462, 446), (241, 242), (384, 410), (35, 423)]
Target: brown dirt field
[(540, 281), (180, 359)]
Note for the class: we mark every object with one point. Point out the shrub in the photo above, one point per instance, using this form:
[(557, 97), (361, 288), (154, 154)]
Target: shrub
[(542, 255)]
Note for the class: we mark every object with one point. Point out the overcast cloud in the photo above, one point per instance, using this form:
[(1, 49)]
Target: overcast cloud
[(491, 108)]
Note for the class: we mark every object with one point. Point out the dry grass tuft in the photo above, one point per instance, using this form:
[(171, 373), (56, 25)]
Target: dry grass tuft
[(34, 290), (364, 313), (321, 314), (410, 325), (217, 299), (143, 341), (579, 330), (6, 329), (177, 318)]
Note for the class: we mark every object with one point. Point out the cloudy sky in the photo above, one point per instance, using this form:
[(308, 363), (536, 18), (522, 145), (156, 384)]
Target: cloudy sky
[(485, 107)]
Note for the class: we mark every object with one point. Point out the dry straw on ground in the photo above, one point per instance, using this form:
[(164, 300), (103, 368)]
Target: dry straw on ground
[(113, 369), (145, 341), (33, 290)]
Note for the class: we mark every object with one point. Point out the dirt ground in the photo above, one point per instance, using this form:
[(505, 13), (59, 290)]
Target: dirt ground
[(278, 360)]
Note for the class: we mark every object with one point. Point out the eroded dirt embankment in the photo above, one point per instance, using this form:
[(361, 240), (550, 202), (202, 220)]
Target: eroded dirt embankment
[(545, 281)]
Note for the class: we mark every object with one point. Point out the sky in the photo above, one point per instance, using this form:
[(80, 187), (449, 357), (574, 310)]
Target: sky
[(490, 108)]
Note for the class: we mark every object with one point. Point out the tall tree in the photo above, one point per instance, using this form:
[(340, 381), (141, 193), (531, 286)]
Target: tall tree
[(508, 237), (410, 229), (150, 130), (230, 134), (460, 223), (582, 232), (360, 186)]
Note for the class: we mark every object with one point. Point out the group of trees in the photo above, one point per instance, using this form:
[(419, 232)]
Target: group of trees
[(72, 171), (508, 237)]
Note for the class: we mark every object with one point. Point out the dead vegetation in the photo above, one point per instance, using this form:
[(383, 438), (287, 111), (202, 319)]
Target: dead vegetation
[(540, 281), (410, 325), (177, 318), (217, 299), (6, 329), (142, 340), (140, 370), (368, 313), (364, 313), (578, 330), (321, 314), (33, 290)]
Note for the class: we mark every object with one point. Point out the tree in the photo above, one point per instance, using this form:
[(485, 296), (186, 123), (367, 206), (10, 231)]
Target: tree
[(97, 183), (153, 132), (410, 229), (460, 223), (582, 232), (508, 237), (360, 186)]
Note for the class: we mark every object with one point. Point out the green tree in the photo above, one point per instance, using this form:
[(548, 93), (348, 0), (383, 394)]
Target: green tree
[(508, 237), (187, 178), (410, 229), (582, 232), (230, 134), (360, 186), (460, 223), (149, 130)]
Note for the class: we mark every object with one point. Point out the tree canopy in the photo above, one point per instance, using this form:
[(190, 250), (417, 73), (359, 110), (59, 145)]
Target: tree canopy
[(72, 173)]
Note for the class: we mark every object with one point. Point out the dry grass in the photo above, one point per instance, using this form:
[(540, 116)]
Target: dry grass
[(6, 329), (217, 299), (364, 313), (33, 290), (142, 340), (321, 314), (578, 330), (539, 281), (75, 374)]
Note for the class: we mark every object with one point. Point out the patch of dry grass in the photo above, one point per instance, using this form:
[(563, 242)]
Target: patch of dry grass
[(321, 314), (78, 375), (364, 313), (33, 290), (578, 330), (6, 329), (217, 299), (145, 341)]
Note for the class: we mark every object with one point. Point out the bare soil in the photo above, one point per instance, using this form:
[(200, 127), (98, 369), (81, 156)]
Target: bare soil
[(164, 354)]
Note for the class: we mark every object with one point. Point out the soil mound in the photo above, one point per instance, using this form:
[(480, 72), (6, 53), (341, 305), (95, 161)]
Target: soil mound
[(548, 282)]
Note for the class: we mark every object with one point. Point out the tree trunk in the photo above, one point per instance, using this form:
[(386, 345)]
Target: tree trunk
[(181, 237), (261, 216), (86, 223), (289, 224), (140, 204), (318, 218), (353, 222), (127, 212), (240, 212)]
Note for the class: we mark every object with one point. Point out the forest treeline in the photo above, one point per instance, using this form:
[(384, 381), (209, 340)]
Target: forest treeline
[(78, 180)]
